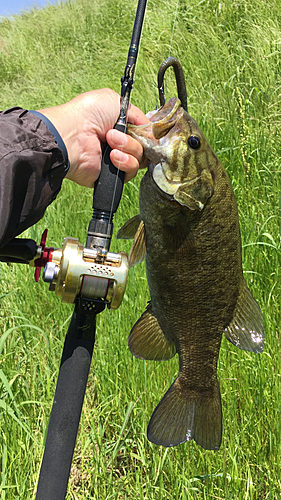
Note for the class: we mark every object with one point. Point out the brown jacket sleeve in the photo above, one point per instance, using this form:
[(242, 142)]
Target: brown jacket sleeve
[(32, 168)]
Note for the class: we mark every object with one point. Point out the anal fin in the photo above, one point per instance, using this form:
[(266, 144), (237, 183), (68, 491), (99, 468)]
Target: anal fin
[(147, 340), (246, 330)]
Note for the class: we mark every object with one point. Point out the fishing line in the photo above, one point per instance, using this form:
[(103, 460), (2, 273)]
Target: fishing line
[(173, 30), (117, 175), (113, 199)]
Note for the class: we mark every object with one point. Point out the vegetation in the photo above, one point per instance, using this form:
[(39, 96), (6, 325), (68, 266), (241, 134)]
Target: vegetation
[(230, 52)]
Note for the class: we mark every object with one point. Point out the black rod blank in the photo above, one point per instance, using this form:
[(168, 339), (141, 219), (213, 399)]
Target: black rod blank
[(109, 186)]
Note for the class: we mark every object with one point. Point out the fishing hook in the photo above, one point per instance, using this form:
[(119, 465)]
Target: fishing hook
[(180, 79)]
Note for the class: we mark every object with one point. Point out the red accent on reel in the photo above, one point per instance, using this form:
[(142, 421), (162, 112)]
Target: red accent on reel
[(46, 255)]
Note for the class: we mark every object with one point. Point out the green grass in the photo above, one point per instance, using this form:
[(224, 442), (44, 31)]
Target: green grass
[(230, 52)]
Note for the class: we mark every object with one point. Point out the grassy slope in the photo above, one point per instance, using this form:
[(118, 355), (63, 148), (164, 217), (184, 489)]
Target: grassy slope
[(231, 56)]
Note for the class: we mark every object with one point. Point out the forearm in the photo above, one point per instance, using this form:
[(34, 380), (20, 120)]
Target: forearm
[(32, 168), (34, 159)]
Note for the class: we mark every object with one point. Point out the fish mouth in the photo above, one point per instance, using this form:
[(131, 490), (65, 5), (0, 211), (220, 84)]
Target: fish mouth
[(156, 141), (162, 121)]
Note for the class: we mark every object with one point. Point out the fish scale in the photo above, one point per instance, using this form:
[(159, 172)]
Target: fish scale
[(190, 236)]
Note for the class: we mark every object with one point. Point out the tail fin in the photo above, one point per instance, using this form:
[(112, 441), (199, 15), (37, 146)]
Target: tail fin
[(185, 414)]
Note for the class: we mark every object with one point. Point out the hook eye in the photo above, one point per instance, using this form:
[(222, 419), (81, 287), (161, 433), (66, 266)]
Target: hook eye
[(180, 79)]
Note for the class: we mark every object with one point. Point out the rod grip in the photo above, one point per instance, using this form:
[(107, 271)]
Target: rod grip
[(67, 407), (19, 250), (109, 186)]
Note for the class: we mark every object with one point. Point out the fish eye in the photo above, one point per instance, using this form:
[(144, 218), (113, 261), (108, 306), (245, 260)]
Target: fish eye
[(194, 142)]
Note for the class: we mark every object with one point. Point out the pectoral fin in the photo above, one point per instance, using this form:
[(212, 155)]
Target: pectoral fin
[(128, 231), (246, 330), (138, 250), (147, 340), (134, 228)]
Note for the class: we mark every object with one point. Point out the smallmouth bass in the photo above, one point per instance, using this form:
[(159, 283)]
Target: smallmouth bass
[(188, 229)]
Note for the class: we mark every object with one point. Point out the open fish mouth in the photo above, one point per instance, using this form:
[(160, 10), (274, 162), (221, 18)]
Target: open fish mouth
[(165, 118), (157, 143), (161, 122)]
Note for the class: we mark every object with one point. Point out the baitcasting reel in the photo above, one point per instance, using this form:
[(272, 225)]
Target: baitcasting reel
[(74, 270), (94, 275)]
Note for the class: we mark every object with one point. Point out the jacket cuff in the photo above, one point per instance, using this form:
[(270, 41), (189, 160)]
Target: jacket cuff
[(56, 135)]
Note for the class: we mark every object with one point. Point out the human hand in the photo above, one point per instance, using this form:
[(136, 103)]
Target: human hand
[(85, 123)]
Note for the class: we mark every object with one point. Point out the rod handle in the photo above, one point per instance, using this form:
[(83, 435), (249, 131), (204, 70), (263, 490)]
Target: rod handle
[(109, 186), (67, 407)]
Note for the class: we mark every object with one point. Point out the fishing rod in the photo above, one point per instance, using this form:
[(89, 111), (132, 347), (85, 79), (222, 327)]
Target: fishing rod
[(92, 278)]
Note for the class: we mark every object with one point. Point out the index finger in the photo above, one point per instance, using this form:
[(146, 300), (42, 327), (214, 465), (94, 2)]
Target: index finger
[(136, 116)]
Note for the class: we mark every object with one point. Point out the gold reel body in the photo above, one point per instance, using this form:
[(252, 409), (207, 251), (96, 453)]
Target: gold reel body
[(76, 270)]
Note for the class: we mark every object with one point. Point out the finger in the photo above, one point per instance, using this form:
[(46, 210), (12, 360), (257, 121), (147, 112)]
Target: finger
[(125, 143), (128, 163), (136, 116)]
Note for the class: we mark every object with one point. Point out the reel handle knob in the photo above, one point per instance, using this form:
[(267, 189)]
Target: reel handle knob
[(46, 256)]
